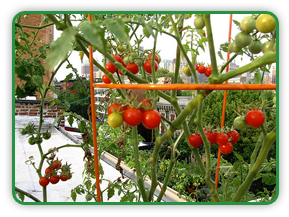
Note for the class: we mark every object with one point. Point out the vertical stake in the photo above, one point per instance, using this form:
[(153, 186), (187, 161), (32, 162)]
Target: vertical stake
[(93, 120), (224, 104)]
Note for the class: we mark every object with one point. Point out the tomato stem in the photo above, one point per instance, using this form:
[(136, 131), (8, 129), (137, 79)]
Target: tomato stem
[(268, 58), (267, 143), (211, 45), (140, 180)]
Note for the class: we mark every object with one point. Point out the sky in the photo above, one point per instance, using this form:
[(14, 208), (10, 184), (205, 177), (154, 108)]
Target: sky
[(167, 45)]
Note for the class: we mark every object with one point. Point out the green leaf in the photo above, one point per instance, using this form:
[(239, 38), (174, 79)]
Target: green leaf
[(70, 120), (118, 28), (257, 77), (68, 77), (269, 179), (37, 79), (94, 34), (60, 47), (81, 126), (20, 195), (220, 55), (88, 184), (73, 195), (110, 192), (240, 158)]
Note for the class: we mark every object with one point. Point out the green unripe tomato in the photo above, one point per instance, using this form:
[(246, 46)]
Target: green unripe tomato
[(46, 135), (121, 48), (31, 140), (240, 123), (23, 131), (199, 22), (243, 39), (265, 23), (126, 60), (248, 24), (255, 47), (187, 71), (233, 48), (88, 197), (115, 120)]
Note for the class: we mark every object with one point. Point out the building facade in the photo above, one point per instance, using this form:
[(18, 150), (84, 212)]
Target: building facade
[(46, 36)]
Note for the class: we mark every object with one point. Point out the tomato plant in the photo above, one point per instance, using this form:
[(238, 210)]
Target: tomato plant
[(115, 119), (117, 39), (233, 136), (147, 66), (265, 23), (57, 164), (226, 148), (43, 181), (132, 116), (132, 67), (255, 118), (106, 79), (151, 119), (201, 69), (222, 138), (54, 179), (195, 140), (110, 67)]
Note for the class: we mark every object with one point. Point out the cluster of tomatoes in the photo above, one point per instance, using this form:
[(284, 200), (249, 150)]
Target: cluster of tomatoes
[(207, 71), (253, 118), (263, 23), (131, 61), (133, 116), (51, 173), (225, 140)]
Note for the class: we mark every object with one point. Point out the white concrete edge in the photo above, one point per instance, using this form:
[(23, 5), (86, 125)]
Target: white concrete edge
[(170, 194)]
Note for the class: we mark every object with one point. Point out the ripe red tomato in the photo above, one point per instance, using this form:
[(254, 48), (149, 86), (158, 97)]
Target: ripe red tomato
[(151, 119), (105, 79), (195, 140), (122, 62), (110, 67), (64, 177), (117, 58), (255, 118), (150, 56), (132, 116), (234, 135), (114, 108), (48, 170), (147, 66), (119, 72), (54, 179), (196, 66), (222, 138), (201, 69), (208, 71), (211, 136), (132, 67), (226, 148), (146, 104), (43, 181), (56, 164)]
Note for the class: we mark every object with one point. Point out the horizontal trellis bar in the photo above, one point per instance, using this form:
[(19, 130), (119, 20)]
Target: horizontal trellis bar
[(188, 86)]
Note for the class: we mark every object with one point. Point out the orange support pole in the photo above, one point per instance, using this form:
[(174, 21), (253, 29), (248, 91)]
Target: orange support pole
[(188, 86), (224, 106), (93, 120)]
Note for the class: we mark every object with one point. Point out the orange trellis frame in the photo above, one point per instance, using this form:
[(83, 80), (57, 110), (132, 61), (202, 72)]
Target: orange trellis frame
[(224, 87)]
